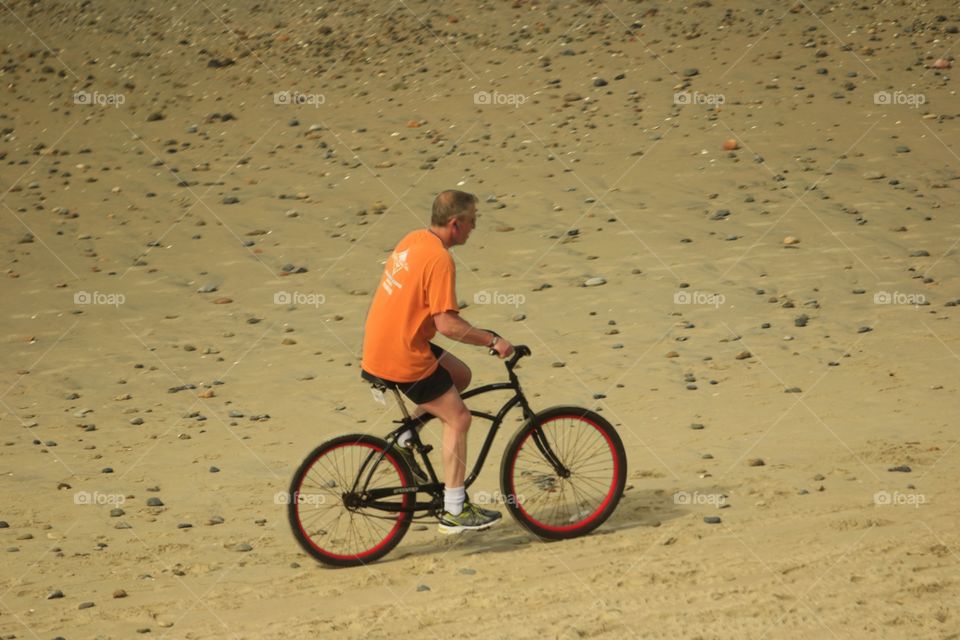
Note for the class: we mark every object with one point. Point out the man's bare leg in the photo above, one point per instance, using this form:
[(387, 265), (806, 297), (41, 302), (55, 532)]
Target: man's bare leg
[(456, 423), (457, 516)]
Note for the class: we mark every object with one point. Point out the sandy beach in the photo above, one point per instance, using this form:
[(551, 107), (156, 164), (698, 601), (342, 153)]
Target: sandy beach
[(730, 228)]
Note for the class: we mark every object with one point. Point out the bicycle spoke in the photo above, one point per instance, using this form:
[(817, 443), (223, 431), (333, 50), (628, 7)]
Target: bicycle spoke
[(334, 529), (582, 449)]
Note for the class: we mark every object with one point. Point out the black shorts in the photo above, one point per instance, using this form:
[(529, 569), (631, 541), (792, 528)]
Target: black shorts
[(428, 389)]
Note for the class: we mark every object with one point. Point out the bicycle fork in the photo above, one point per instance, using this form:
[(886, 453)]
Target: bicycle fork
[(539, 439)]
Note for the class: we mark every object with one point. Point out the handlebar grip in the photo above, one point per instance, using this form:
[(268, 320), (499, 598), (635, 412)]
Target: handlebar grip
[(519, 350)]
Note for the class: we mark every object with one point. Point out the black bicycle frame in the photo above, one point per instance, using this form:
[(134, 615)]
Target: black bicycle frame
[(370, 496), (497, 420)]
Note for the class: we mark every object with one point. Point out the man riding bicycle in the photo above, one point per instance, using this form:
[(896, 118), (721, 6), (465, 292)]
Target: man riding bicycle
[(415, 299)]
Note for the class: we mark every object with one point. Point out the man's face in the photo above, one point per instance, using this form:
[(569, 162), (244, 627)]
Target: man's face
[(465, 224)]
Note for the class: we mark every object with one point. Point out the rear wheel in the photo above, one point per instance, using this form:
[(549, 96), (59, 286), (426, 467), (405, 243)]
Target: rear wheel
[(326, 500), (576, 498)]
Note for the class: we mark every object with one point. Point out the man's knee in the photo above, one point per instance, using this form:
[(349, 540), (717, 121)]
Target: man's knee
[(450, 409), (460, 418)]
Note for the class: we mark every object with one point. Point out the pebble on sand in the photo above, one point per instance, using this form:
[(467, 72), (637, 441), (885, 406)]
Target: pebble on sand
[(730, 144)]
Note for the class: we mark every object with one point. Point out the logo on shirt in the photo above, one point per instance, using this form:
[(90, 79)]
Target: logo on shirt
[(398, 262)]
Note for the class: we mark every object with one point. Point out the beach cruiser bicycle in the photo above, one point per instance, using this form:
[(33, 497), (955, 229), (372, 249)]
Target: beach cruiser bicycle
[(353, 498)]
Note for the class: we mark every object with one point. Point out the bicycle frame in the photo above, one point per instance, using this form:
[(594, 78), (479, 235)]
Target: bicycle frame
[(435, 488)]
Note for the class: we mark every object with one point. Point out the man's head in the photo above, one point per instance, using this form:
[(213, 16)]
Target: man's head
[(455, 213)]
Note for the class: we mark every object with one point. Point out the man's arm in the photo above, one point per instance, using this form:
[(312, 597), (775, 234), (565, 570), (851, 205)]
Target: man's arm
[(451, 325)]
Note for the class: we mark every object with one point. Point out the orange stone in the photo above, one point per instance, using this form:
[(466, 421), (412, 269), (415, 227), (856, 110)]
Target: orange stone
[(223, 301), (941, 63), (731, 145), (413, 124), (206, 393)]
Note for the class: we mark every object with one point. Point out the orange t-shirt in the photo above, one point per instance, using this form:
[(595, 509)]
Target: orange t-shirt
[(417, 284)]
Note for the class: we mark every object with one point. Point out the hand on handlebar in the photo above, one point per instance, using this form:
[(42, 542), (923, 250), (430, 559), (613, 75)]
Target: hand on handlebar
[(502, 348)]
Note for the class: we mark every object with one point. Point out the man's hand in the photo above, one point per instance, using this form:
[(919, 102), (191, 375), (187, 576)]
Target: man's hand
[(503, 348)]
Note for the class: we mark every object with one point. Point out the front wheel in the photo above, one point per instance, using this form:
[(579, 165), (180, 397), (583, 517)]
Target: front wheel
[(329, 514), (563, 472)]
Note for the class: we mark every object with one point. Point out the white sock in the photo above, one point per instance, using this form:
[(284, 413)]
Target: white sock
[(453, 499), (404, 438)]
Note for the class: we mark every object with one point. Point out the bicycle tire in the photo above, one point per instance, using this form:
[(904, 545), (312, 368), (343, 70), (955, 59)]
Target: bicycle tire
[(554, 507), (336, 534)]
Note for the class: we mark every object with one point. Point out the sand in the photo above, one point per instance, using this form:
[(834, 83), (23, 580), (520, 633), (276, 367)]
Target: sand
[(197, 200)]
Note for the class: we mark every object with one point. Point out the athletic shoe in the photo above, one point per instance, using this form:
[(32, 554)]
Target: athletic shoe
[(470, 519), (487, 512)]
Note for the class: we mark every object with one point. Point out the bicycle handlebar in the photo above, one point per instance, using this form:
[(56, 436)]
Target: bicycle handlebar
[(519, 351)]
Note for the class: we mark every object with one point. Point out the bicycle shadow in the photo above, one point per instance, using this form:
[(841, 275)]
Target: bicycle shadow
[(637, 509)]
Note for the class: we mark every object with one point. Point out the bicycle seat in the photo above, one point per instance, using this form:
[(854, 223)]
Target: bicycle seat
[(380, 383)]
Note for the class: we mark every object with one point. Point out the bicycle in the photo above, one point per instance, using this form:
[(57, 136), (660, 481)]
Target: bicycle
[(353, 498)]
